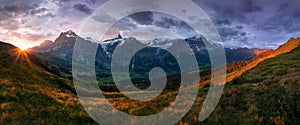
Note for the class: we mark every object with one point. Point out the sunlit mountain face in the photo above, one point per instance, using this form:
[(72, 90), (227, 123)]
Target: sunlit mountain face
[(241, 23)]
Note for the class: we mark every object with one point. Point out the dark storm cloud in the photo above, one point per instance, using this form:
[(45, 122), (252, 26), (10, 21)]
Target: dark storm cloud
[(229, 33), (83, 8), (20, 6), (61, 2), (263, 20), (223, 22), (175, 24), (236, 10), (285, 18), (239, 27), (88, 2), (4, 15), (168, 22), (17, 9), (42, 12), (104, 18), (243, 33), (91, 1), (143, 18), (127, 24), (10, 11), (220, 9), (249, 6), (39, 10), (269, 15)]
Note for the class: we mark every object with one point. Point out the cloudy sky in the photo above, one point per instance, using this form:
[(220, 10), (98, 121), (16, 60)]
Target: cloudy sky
[(241, 23)]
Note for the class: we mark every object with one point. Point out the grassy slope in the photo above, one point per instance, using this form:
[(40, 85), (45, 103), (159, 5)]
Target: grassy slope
[(30, 95), (266, 94), (285, 48)]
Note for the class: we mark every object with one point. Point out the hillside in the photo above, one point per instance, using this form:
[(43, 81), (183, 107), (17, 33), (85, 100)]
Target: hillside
[(287, 47), (31, 95), (266, 94)]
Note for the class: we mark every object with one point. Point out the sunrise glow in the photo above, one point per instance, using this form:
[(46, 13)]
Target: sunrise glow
[(23, 48), (21, 54), (21, 44)]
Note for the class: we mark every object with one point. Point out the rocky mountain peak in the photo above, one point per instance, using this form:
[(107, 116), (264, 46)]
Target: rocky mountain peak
[(119, 36), (69, 33), (68, 37)]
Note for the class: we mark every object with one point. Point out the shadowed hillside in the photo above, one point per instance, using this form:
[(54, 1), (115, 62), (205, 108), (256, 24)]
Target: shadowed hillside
[(31, 95)]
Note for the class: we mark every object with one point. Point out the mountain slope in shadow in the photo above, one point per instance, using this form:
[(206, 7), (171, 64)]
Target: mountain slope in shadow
[(31, 95)]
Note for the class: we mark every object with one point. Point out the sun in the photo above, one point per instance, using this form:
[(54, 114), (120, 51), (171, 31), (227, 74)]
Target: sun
[(23, 48), (21, 44)]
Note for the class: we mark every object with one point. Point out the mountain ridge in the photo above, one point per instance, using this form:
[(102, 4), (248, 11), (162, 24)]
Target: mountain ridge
[(284, 48), (64, 52)]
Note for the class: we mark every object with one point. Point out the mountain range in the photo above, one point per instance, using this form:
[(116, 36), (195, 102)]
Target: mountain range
[(60, 53)]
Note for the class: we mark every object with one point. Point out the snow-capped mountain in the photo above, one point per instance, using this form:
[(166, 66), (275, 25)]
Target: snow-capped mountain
[(60, 51)]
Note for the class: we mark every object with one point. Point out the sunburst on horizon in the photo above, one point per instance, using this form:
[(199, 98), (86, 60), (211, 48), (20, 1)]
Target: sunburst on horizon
[(22, 45), (23, 48), (21, 54)]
